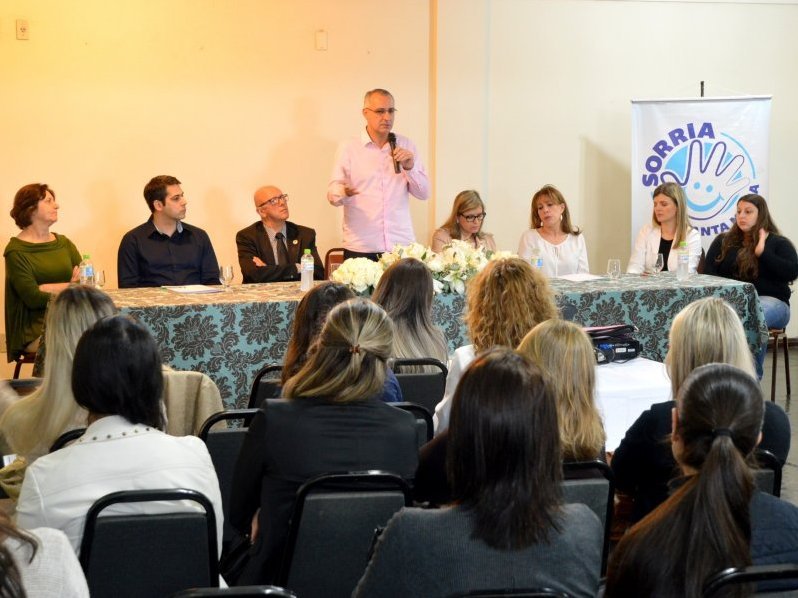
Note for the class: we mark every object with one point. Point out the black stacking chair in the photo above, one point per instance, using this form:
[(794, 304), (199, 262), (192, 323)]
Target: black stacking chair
[(424, 425), (267, 385), (149, 555), (726, 579), (332, 529), (425, 389), (239, 591), (224, 445), (768, 477), (596, 491), (67, 438)]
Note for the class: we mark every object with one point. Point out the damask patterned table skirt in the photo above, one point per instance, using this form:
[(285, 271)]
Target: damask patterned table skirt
[(231, 335)]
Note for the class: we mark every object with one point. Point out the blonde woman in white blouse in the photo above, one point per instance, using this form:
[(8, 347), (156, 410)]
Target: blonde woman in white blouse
[(464, 223), (552, 236)]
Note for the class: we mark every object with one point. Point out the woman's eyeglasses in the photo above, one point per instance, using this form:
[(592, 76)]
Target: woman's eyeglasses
[(474, 217)]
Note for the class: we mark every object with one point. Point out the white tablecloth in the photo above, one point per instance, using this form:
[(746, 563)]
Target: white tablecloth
[(625, 390)]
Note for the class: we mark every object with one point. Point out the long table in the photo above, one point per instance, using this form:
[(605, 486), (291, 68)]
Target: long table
[(231, 335)]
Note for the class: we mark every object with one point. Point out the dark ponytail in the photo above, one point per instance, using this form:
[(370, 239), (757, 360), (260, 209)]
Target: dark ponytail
[(705, 525)]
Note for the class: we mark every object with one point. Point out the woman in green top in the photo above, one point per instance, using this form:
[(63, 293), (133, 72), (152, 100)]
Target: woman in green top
[(39, 264)]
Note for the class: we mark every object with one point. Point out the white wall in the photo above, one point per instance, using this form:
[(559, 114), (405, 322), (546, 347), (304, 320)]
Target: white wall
[(531, 92)]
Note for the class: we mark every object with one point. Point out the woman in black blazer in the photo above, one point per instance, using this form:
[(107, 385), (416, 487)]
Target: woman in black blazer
[(333, 421)]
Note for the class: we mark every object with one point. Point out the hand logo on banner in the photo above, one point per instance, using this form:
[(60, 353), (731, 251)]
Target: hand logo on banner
[(712, 184)]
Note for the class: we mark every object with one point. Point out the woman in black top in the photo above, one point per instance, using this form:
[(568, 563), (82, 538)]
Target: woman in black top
[(754, 251)]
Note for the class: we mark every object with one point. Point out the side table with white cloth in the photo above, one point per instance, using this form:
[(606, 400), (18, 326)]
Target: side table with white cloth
[(625, 390)]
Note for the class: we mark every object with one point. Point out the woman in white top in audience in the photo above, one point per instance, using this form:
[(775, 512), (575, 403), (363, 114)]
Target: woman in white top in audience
[(669, 226), (464, 223), (38, 562), (504, 302), (117, 378), (552, 236)]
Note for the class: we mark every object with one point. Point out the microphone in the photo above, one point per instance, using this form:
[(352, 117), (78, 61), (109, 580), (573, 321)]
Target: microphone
[(392, 143)]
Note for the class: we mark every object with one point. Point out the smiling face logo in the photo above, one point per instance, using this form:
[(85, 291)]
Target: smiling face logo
[(713, 172)]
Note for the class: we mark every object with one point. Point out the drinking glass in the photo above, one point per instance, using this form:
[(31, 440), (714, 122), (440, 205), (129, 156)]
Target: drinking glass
[(226, 276), (614, 269), (99, 279), (659, 264)]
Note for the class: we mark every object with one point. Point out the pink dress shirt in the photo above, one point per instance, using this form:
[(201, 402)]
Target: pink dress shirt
[(377, 217)]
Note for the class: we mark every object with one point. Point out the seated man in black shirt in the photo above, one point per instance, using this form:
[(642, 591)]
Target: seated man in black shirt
[(270, 249), (164, 250)]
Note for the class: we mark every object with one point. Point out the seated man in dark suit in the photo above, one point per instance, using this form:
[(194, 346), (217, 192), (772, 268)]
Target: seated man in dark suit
[(270, 249)]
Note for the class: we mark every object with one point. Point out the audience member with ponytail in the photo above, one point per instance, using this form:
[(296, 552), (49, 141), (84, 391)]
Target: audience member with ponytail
[(706, 331), (716, 519), (332, 421)]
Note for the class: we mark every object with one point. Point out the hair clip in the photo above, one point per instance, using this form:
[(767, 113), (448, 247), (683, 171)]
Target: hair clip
[(354, 349), (721, 432)]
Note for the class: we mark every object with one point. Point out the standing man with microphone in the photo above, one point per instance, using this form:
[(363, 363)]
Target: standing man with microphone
[(373, 177)]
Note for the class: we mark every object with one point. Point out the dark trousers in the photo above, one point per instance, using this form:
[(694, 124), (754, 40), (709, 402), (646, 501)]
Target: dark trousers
[(374, 257)]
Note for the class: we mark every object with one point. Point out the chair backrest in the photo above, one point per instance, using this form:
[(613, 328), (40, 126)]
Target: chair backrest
[(241, 591), (596, 492), (333, 256), (66, 438), (768, 477), (422, 388), (266, 385), (716, 584), (143, 555), (508, 593), (224, 445), (332, 529), (424, 425)]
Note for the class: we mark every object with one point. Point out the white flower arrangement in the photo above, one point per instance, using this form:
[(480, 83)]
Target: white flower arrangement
[(451, 269), (360, 274)]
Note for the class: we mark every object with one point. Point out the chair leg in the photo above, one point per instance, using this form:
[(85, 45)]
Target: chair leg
[(17, 369), (775, 338), (787, 364)]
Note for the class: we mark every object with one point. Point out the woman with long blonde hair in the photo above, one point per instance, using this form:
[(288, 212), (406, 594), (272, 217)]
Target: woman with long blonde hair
[(564, 353), (33, 423), (504, 302)]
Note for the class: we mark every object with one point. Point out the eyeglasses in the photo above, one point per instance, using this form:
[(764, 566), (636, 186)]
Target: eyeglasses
[(474, 217), (275, 200), (383, 111)]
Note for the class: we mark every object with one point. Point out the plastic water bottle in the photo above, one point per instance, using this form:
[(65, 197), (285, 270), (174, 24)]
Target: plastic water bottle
[(306, 266), (86, 269), (536, 259), (682, 262)]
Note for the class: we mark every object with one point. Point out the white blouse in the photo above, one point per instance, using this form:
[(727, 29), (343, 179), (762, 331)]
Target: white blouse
[(569, 257)]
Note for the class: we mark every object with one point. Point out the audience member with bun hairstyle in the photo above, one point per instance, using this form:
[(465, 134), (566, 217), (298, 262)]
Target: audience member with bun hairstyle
[(405, 292), (504, 302), (706, 331), (508, 526), (333, 420), (715, 519)]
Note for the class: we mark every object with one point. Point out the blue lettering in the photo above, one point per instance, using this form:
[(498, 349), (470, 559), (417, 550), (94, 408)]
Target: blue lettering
[(662, 148), (653, 164), (691, 130), (714, 228), (705, 232), (724, 227), (649, 180), (754, 188), (677, 136), (706, 131)]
